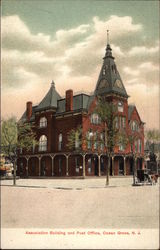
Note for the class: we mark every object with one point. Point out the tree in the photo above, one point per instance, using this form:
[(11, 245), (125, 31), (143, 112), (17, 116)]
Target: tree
[(113, 135), (16, 136), (153, 137), (131, 140), (74, 137)]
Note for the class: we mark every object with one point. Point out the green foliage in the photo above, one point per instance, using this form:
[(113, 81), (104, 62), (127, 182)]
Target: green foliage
[(108, 114), (15, 136), (152, 135), (74, 137)]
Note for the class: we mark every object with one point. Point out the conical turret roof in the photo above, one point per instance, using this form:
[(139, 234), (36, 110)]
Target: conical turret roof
[(50, 99), (109, 81)]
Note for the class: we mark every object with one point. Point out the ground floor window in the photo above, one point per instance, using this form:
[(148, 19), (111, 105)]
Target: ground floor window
[(77, 164), (89, 165), (60, 165), (21, 168), (43, 168)]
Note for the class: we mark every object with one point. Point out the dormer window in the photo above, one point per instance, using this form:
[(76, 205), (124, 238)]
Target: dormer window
[(43, 122), (120, 106)]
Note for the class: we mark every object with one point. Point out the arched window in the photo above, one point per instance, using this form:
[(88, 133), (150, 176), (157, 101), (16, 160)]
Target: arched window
[(43, 143), (43, 122), (134, 126), (120, 106), (60, 138)]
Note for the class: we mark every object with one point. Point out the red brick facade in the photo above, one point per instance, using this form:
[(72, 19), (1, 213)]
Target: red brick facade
[(55, 117)]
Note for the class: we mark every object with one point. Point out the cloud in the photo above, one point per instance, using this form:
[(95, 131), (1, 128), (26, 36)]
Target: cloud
[(142, 50), (72, 58), (147, 103), (131, 71)]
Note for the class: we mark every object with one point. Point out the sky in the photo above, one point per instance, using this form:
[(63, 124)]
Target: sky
[(65, 40)]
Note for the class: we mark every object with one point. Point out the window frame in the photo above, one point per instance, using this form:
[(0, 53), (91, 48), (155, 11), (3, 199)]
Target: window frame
[(42, 143), (43, 122)]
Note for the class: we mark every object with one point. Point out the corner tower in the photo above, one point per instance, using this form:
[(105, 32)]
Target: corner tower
[(109, 81)]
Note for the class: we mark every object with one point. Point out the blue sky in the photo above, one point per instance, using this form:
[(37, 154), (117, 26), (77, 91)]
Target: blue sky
[(65, 40)]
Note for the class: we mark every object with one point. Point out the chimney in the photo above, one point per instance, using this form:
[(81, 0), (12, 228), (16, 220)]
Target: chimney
[(69, 100), (28, 110)]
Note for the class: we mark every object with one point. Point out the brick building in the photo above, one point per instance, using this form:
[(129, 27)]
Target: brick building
[(55, 116)]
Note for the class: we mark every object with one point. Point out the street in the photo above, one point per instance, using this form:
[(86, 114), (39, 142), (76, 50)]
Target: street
[(78, 203)]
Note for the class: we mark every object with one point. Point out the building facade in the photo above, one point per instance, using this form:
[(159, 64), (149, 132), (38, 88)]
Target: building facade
[(55, 117)]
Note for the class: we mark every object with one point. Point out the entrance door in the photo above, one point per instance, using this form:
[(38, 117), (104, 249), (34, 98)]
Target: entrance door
[(43, 168), (121, 166), (96, 164), (131, 166)]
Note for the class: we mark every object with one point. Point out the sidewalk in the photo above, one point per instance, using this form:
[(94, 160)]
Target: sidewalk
[(95, 182)]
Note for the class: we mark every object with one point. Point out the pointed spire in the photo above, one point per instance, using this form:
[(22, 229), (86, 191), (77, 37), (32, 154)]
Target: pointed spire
[(107, 37), (108, 48), (53, 84)]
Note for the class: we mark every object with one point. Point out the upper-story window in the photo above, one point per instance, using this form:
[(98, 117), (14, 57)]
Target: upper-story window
[(60, 138), (120, 106), (139, 145), (77, 140), (43, 143), (95, 119), (134, 126), (89, 136), (122, 122), (136, 145), (43, 122), (116, 122)]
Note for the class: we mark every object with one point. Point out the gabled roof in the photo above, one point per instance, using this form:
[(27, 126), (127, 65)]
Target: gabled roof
[(130, 110), (50, 99), (109, 80)]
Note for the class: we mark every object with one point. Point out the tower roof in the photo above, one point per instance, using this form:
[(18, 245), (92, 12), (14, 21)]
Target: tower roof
[(109, 81), (50, 99)]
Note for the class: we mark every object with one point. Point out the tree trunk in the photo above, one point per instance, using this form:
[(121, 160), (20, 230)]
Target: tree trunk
[(134, 181), (14, 173), (108, 170)]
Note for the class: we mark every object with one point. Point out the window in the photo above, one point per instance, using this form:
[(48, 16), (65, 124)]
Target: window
[(136, 145), (89, 138), (89, 165), (60, 142), (95, 119), (120, 106), (139, 145), (121, 147), (101, 141), (21, 168), (43, 122), (122, 122), (134, 126), (95, 134), (60, 165), (33, 148), (116, 122), (20, 151), (104, 71), (77, 164), (43, 143), (77, 142)]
